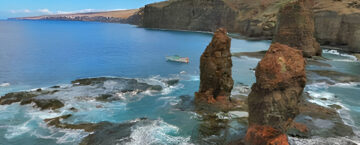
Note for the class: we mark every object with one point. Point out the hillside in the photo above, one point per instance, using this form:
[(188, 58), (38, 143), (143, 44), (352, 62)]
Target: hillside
[(337, 22), (121, 16)]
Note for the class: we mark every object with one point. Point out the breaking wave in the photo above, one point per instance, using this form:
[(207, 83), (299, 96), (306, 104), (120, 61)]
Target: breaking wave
[(344, 57), (157, 132)]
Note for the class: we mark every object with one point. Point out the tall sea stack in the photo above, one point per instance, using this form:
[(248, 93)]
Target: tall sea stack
[(216, 81), (296, 28), (273, 101)]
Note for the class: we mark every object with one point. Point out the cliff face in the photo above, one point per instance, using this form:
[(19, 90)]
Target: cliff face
[(336, 22), (132, 16), (202, 15), (216, 81), (295, 28), (334, 28), (274, 98)]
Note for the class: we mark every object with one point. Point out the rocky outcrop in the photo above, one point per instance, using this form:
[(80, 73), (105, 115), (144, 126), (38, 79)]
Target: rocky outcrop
[(333, 28), (295, 28), (336, 22), (273, 101), (216, 81), (205, 15), (201, 15), (31, 97)]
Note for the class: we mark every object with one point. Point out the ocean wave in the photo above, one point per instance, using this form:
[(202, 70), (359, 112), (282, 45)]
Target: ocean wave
[(246, 58), (157, 132), (320, 95), (4, 84), (17, 130), (323, 141), (348, 57), (62, 136)]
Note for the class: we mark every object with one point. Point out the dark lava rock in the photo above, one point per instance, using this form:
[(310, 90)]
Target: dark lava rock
[(296, 28), (172, 82), (104, 97), (73, 109), (110, 134), (129, 84), (16, 97), (103, 133), (88, 127), (44, 104), (55, 87), (186, 103), (216, 81), (30, 97)]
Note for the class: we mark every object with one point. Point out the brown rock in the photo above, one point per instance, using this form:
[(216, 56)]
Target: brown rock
[(265, 135), (296, 28), (280, 80), (216, 81)]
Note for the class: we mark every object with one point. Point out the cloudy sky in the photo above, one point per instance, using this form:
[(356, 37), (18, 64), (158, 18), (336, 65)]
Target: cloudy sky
[(20, 8)]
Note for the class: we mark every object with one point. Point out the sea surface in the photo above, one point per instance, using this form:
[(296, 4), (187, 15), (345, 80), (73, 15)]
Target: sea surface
[(41, 54)]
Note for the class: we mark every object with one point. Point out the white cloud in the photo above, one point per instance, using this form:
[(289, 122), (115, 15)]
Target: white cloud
[(78, 11), (20, 11), (45, 11)]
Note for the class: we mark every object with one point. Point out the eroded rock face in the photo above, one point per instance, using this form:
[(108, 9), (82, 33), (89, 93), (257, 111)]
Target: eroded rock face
[(265, 135), (216, 81), (296, 28), (280, 80)]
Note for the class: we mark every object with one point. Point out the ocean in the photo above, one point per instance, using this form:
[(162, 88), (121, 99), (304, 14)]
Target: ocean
[(41, 54)]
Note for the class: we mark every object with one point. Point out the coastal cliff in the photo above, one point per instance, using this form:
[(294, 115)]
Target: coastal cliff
[(336, 22), (132, 16)]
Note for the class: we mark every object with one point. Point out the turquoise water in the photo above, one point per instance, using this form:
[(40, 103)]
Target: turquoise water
[(40, 54)]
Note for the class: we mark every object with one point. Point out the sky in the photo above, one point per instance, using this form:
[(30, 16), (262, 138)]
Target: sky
[(21, 8)]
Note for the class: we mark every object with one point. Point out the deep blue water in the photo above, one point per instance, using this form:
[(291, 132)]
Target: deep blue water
[(37, 54), (42, 53)]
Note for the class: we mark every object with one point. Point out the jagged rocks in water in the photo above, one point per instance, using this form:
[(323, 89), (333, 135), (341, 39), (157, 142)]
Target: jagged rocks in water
[(43, 104), (280, 80), (129, 85), (31, 97), (216, 81), (295, 28)]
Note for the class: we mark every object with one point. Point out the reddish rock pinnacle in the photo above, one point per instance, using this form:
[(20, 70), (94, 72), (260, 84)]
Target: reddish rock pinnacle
[(273, 101), (216, 81)]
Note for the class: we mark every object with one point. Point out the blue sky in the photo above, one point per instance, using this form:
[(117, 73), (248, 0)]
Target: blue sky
[(20, 8)]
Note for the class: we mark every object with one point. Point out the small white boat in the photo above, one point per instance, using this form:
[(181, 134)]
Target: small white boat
[(176, 58)]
